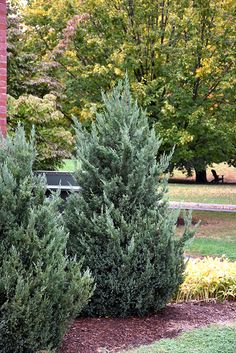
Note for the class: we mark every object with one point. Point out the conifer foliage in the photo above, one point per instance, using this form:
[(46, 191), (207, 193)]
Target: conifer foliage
[(41, 289), (120, 221)]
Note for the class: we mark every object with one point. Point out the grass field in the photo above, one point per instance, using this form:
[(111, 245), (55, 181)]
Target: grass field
[(215, 224), (213, 247), (205, 340), (222, 194), (216, 235)]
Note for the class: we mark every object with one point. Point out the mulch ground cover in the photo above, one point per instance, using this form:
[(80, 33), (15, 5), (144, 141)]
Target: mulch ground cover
[(87, 335)]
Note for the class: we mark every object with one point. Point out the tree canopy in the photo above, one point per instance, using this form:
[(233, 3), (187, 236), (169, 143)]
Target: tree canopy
[(179, 55)]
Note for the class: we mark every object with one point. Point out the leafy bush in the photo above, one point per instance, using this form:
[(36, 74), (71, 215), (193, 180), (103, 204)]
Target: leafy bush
[(120, 221), (41, 289), (53, 139), (209, 278)]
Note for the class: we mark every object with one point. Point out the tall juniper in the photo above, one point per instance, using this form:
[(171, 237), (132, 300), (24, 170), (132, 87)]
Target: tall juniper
[(120, 221), (41, 289)]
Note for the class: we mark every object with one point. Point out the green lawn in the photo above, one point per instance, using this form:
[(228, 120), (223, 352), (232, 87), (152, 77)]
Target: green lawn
[(216, 236), (204, 340), (70, 165), (215, 224), (213, 247), (222, 194)]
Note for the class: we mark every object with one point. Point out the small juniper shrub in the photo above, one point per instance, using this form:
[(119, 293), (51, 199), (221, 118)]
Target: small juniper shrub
[(120, 221), (41, 289)]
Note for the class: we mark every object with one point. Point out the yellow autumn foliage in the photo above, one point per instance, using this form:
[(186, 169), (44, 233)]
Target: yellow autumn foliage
[(207, 279)]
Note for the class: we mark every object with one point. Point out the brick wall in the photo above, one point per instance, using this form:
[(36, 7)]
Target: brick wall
[(3, 67)]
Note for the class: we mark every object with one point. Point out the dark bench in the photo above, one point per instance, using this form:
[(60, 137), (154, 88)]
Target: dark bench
[(217, 178), (64, 181)]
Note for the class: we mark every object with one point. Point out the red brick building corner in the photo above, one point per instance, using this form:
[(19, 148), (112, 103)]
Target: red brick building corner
[(3, 67)]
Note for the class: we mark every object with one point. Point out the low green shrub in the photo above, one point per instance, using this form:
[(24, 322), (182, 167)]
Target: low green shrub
[(208, 278), (41, 289)]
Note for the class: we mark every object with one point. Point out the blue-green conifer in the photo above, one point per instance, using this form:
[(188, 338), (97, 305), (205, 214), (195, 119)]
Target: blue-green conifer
[(121, 221), (41, 289)]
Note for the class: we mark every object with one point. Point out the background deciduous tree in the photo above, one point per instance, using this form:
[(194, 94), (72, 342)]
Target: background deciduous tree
[(53, 139), (180, 57), (20, 61)]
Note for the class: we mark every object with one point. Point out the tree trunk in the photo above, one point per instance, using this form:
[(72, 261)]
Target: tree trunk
[(201, 176)]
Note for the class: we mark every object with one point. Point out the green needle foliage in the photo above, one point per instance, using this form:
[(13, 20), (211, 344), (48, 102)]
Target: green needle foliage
[(41, 289), (120, 221)]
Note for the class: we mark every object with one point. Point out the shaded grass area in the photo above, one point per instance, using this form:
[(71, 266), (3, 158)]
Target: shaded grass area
[(204, 340), (216, 235), (213, 247), (221, 169), (215, 224), (70, 165), (219, 194)]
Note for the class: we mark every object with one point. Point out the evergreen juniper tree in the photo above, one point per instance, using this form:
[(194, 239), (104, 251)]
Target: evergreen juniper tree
[(41, 289), (120, 221)]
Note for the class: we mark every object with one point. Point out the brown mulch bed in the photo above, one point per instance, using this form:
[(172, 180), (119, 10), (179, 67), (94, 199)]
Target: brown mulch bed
[(87, 335)]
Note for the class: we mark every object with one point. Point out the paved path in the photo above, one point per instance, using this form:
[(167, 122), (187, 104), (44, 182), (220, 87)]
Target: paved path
[(203, 206)]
